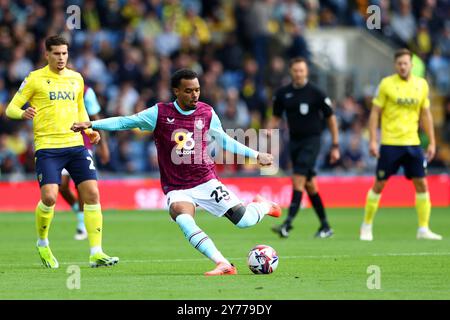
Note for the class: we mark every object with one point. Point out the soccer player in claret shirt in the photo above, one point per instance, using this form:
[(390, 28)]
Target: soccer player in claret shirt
[(188, 178), (55, 94), (401, 100)]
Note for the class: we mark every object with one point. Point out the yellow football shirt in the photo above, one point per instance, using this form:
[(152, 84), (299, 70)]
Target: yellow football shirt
[(401, 102), (58, 100)]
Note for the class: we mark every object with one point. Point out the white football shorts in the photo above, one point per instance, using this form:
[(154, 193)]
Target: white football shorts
[(213, 196)]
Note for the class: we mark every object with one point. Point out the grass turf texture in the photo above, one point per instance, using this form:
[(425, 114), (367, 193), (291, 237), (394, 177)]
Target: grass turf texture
[(156, 262)]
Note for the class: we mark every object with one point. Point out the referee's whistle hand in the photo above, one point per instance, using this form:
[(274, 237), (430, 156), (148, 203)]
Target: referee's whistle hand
[(335, 155), (265, 159)]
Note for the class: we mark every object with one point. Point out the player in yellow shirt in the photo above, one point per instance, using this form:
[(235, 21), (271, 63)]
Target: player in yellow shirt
[(401, 101), (55, 95)]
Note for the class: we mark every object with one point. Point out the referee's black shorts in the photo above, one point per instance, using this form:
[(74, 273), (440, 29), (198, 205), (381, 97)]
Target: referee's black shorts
[(304, 154)]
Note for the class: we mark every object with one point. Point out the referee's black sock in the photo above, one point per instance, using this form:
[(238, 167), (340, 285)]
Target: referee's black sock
[(293, 208), (317, 203)]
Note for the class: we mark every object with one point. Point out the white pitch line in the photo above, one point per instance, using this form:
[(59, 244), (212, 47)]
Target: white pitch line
[(243, 258)]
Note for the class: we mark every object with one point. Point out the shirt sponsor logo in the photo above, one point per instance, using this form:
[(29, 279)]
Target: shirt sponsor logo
[(62, 95), (407, 101), (185, 142), (199, 124)]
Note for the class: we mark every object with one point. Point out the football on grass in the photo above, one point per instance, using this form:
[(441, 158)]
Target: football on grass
[(262, 259)]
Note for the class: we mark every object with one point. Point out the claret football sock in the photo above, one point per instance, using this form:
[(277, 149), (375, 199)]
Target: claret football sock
[(199, 239)]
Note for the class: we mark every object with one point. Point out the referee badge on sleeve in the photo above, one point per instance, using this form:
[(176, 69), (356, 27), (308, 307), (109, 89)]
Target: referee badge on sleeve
[(304, 108)]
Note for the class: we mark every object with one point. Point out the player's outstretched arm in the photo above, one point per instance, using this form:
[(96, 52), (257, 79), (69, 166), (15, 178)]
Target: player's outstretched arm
[(145, 120)]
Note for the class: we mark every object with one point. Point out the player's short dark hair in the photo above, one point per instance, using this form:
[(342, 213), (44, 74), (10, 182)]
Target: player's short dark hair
[(297, 60), (55, 40), (402, 52), (180, 74)]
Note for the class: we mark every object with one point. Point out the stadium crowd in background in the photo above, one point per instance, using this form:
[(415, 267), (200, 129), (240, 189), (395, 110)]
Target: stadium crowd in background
[(126, 51)]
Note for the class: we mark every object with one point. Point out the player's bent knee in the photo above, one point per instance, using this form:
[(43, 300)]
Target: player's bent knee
[(235, 214), (49, 199), (91, 198), (178, 208)]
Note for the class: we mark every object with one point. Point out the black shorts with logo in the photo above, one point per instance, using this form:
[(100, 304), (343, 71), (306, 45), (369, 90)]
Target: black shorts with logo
[(304, 154)]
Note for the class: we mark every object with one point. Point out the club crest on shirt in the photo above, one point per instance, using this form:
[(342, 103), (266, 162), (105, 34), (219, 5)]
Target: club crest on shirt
[(304, 108), (199, 124)]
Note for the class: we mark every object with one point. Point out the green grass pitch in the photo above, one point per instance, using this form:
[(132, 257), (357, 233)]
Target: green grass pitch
[(156, 262)]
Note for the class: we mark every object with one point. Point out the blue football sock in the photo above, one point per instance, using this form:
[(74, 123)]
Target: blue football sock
[(80, 221), (198, 239), (254, 213)]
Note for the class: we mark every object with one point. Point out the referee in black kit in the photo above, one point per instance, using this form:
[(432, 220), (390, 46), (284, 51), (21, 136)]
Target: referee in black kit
[(306, 107)]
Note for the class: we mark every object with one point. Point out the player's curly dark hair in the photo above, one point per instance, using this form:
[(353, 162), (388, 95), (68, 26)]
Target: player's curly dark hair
[(182, 74), (55, 40)]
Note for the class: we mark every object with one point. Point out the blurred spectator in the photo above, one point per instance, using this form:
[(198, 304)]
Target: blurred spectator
[(168, 41), (233, 111), (92, 68), (440, 70), (403, 22), (291, 10), (8, 160), (19, 67), (446, 131), (352, 157), (347, 112), (422, 42)]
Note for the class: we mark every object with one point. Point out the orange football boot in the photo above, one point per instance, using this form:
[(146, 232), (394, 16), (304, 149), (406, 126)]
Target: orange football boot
[(222, 269), (275, 209)]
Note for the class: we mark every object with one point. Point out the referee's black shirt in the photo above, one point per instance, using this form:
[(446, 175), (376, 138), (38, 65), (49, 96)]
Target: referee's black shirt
[(305, 108)]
